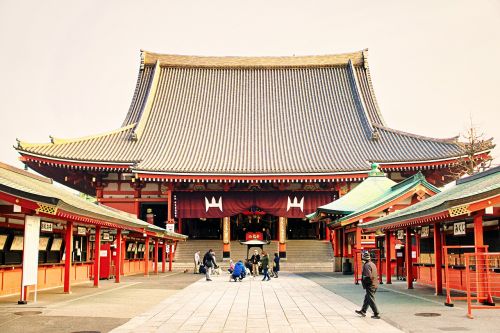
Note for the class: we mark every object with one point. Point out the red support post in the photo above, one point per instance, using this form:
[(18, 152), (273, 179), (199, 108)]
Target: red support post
[(408, 259), (164, 256), (438, 259), (327, 233), (387, 250), (146, 257), (68, 246), (118, 256), (478, 230), (122, 256), (155, 255), (97, 255), (170, 257)]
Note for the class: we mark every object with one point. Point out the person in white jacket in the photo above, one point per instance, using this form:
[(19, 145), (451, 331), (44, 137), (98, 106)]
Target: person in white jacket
[(196, 262)]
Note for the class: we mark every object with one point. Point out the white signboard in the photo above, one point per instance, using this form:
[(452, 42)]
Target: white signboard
[(459, 228), (30, 255), (401, 234), (81, 231), (47, 226), (425, 232), (170, 227)]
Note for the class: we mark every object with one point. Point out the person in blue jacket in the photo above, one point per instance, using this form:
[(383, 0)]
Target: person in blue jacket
[(238, 272)]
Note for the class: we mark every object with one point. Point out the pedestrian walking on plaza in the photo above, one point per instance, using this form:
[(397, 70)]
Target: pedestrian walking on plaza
[(276, 265), (196, 262), (208, 262), (369, 280), (254, 260), (265, 266)]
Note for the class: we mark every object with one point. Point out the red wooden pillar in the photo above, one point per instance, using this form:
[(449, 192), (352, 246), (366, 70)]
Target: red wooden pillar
[(438, 259), (327, 233), (387, 250), (408, 259), (118, 256), (478, 229), (123, 243), (97, 255), (170, 257), (164, 256), (155, 255), (146, 257), (358, 238), (335, 243), (68, 240)]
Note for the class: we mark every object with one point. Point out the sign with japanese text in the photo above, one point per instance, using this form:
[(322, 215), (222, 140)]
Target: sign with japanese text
[(81, 231), (254, 236), (401, 234), (425, 232), (46, 226), (459, 228), (225, 230)]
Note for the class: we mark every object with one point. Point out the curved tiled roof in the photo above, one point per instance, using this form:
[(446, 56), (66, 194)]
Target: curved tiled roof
[(473, 188), (26, 185), (259, 116)]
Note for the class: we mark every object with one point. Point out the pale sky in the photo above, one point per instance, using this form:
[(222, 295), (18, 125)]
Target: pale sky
[(68, 68)]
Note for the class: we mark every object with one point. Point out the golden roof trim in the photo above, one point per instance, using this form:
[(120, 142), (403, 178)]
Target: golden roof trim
[(171, 60)]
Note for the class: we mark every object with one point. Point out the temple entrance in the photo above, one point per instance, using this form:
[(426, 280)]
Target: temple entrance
[(202, 228), (300, 229), (241, 224)]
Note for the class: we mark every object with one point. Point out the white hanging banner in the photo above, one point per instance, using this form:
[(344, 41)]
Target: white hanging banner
[(459, 228), (30, 251)]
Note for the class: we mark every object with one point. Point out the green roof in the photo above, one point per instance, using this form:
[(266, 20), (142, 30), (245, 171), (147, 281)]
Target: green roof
[(480, 186), (23, 184), (391, 194), (366, 192)]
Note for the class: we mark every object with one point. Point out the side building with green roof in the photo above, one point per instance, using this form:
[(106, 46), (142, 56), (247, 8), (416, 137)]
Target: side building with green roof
[(376, 196)]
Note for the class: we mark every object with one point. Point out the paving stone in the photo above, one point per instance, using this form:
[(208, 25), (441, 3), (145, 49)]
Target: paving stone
[(290, 304)]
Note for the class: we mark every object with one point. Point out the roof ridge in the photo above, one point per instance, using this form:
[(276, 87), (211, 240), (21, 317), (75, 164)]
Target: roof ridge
[(173, 60), (478, 175), (418, 177), (148, 103), (14, 169), (370, 86), (416, 136), (372, 132), (57, 141)]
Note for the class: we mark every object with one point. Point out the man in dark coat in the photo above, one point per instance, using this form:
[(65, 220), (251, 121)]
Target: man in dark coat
[(208, 262), (369, 279)]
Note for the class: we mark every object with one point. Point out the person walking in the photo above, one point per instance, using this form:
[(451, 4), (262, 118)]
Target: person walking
[(265, 266), (254, 260), (276, 265), (208, 262), (369, 280), (196, 262)]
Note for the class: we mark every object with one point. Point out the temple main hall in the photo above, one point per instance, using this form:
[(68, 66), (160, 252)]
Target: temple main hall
[(232, 148)]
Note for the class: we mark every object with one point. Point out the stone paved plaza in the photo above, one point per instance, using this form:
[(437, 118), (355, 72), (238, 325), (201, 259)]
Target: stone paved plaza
[(288, 304)]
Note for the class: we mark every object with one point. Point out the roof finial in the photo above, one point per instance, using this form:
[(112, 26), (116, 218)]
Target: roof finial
[(375, 171)]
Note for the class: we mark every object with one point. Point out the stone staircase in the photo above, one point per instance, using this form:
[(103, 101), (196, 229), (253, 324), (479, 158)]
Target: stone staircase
[(302, 255)]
